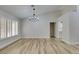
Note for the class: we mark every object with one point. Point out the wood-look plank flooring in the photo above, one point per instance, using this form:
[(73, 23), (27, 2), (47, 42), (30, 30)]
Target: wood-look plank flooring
[(40, 46)]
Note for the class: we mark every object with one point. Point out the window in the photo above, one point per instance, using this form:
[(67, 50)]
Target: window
[(13, 28), (3, 28), (8, 27), (16, 28)]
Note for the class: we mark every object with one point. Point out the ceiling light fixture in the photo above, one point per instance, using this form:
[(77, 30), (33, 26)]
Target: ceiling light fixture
[(34, 17)]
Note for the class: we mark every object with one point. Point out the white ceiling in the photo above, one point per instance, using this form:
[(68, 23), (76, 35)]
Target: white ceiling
[(23, 11)]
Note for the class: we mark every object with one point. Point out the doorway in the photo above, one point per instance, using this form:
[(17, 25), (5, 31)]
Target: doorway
[(52, 29)]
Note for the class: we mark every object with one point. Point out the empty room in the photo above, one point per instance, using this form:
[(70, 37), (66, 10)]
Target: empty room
[(39, 29)]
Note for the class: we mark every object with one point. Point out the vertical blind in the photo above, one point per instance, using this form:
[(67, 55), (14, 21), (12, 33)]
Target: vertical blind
[(8, 27)]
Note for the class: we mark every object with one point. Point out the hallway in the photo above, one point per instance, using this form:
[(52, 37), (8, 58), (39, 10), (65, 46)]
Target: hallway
[(40, 46)]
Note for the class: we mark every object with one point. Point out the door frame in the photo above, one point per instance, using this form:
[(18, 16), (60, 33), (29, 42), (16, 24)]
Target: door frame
[(54, 29)]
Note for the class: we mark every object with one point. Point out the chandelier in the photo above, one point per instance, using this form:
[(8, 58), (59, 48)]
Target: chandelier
[(34, 17)]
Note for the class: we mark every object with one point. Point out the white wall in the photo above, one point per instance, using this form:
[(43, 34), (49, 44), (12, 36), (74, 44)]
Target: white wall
[(65, 30), (68, 8), (6, 41), (77, 8), (41, 29), (74, 27), (70, 27), (65, 18)]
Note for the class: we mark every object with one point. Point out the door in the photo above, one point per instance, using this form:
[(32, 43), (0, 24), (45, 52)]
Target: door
[(52, 29)]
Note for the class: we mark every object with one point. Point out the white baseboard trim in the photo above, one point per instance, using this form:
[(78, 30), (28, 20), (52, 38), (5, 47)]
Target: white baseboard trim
[(35, 37), (4, 44), (69, 42)]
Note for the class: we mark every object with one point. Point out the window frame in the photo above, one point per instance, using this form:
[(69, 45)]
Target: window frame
[(7, 23)]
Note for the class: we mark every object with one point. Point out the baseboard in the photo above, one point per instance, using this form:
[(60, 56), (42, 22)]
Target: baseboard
[(8, 44), (69, 42), (35, 38), (74, 43)]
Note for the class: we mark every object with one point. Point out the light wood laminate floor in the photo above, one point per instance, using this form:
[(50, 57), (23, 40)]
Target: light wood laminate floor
[(40, 46)]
